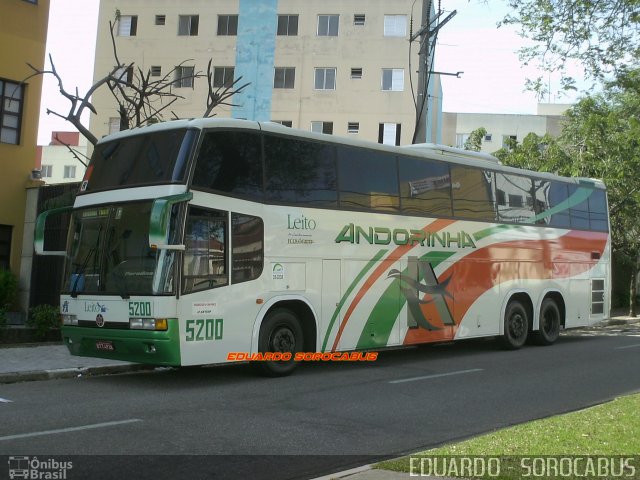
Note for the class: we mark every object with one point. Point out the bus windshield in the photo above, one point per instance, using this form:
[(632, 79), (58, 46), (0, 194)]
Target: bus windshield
[(145, 159), (109, 253)]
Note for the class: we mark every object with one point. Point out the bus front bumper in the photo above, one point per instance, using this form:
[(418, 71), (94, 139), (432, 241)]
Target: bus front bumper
[(137, 346)]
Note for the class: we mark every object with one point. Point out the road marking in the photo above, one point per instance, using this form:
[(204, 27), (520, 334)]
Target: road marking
[(438, 375), (627, 346), (70, 429), (5, 400)]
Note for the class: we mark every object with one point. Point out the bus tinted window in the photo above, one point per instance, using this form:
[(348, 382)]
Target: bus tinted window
[(151, 158), (580, 212), (230, 162), (551, 204), (205, 239), (425, 187), (472, 191), (247, 235), (368, 179), (598, 211), (300, 172), (514, 198)]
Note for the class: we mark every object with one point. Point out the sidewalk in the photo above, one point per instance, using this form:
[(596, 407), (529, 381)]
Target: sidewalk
[(21, 363)]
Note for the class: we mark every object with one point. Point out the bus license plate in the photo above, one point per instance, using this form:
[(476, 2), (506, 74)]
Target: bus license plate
[(105, 346)]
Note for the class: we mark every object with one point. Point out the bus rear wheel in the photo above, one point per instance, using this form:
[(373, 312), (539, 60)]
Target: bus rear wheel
[(516, 326), (550, 320), (280, 333)]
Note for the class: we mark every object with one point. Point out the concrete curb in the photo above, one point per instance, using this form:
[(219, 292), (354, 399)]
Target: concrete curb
[(61, 373)]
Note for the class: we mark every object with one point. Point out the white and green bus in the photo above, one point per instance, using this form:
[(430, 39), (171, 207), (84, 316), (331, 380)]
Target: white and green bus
[(215, 240)]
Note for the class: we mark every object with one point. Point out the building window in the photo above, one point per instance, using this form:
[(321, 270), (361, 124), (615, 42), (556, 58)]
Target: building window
[(389, 133), (124, 74), (128, 25), (395, 25), (227, 24), (393, 79), (353, 127), (69, 171), (507, 139), (184, 77), (487, 137), (288, 25), (356, 73), (5, 246), (461, 139), (114, 125), (328, 25), (161, 19), (156, 71), (188, 25), (284, 123), (358, 19), (322, 127), (284, 77), (325, 79), (46, 171), (11, 99), (223, 77)]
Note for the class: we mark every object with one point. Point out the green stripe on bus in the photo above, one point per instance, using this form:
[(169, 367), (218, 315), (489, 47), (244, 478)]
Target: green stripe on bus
[(378, 328), (348, 292), (487, 232), (580, 195)]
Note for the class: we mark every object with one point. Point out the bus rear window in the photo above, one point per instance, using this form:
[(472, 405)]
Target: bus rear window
[(145, 159)]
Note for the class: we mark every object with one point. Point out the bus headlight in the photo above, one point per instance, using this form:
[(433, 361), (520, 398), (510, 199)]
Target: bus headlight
[(148, 323), (69, 319)]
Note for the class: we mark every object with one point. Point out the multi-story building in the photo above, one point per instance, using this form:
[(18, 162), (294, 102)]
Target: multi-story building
[(23, 34), (346, 68), (58, 163), (501, 127)]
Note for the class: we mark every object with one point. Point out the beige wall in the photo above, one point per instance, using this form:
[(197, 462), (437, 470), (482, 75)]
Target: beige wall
[(500, 125), (354, 100)]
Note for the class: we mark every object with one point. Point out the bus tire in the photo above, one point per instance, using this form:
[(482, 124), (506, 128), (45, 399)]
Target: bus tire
[(280, 332), (550, 320), (516, 326)]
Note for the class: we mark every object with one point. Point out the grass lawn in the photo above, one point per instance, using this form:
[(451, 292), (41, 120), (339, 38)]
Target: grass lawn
[(611, 430)]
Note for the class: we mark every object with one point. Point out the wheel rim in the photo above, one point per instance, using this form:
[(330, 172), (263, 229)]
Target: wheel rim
[(517, 325), (283, 340)]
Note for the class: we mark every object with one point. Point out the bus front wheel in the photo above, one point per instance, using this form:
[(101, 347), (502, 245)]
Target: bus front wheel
[(280, 334), (549, 323), (516, 325)]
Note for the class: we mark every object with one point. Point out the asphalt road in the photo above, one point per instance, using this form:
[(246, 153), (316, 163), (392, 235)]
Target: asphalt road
[(224, 422)]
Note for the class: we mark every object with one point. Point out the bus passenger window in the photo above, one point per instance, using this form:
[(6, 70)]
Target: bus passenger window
[(205, 256), (247, 257)]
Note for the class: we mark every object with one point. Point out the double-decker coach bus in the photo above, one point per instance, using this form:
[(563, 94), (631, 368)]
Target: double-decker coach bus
[(207, 241)]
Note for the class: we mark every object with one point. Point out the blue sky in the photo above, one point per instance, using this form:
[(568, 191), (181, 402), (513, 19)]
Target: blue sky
[(493, 79)]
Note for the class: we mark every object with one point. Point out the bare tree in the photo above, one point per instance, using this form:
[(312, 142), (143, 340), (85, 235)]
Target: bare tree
[(140, 98)]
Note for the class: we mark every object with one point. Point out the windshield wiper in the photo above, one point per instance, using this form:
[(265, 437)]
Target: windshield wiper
[(80, 272)]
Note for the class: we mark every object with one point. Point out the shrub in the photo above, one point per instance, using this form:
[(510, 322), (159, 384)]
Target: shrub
[(43, 318), (8, 288)]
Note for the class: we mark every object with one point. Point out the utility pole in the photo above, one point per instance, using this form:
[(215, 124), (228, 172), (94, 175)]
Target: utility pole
[(430, 24)]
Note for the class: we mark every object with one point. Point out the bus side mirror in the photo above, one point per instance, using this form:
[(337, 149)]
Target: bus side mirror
[(41, 222), (160, 220)]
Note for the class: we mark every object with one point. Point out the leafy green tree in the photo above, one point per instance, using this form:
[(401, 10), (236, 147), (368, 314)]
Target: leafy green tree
[(602, 36), (474, 142), (601, 139)]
